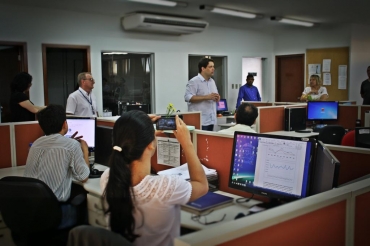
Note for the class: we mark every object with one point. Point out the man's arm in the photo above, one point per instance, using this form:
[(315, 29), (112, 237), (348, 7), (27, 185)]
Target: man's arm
[(212, 96), (258, 96), (71, 105), (240, 97)]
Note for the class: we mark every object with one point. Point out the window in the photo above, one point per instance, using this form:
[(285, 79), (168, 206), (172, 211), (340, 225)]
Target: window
[(127, 79)]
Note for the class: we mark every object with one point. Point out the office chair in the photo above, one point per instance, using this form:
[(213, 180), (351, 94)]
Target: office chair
[(362, 137), (349, 139), (32, 212), (331, 134), (90, 235)]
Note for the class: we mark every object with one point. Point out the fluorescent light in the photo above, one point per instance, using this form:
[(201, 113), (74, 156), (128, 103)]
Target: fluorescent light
[(160, 2), (229, 12), (293, 22), (114, 53)]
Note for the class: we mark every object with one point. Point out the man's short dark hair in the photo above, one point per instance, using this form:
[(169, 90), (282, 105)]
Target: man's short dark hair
[(250, 76), (52, 118), (246, 114), (203, 63)]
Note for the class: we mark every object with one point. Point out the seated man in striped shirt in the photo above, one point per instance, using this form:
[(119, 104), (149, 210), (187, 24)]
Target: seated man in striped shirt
[(56, 159)]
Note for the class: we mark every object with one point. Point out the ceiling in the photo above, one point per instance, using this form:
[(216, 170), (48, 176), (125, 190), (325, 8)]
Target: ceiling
[(326, 13)]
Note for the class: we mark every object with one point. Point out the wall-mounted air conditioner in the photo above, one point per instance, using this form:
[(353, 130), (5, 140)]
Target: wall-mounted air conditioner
[(162, 24)]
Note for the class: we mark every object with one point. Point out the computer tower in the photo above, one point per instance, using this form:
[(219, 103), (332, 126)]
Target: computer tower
[(295, 119)]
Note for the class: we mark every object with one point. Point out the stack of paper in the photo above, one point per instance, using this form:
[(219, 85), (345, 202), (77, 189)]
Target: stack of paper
[(183, 172)]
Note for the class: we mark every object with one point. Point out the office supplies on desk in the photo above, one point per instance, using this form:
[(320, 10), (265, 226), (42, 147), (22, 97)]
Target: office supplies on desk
[(209, 201)]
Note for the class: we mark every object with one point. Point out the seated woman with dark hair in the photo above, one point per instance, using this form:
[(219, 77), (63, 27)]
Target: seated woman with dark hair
[(22, 109), (145, 209)]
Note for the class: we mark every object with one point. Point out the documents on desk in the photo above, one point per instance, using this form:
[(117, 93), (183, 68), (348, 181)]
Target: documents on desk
[(183, 172)]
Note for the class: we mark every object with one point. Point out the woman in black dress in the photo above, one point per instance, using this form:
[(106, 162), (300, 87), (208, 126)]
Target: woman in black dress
[(22, 109)]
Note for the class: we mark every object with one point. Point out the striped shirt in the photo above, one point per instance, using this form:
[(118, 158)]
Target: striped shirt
[(55, 160)]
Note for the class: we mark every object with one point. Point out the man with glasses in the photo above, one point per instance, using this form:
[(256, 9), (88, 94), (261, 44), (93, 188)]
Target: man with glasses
[(82, 102)]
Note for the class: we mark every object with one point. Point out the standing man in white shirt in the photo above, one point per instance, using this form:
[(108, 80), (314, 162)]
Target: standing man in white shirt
[(202, 94), (82, 102)]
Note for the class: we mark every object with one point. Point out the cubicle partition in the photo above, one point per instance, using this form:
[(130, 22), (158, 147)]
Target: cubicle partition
[(15, 142), (354, 162), (363, 109), (336, 217)]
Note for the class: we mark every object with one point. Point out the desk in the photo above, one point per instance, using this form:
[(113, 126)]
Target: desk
[(96, 210), (293, 134)]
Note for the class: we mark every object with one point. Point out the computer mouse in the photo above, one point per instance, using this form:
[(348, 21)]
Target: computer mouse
[(94, 171), (239, 215)]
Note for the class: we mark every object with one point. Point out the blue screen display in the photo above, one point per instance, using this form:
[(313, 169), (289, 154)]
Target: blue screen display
[(270, 166), (222, 105), (322, 110)]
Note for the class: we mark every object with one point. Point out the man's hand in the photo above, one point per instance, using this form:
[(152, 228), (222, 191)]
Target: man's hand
[(213, 97), (76, 138)]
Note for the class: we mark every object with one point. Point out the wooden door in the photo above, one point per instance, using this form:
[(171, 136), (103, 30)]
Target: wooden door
[(289, 77), (13, 60), (61, 65)]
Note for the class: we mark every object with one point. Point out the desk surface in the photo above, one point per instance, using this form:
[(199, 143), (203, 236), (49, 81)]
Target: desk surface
[(293, 134), (93, 187)]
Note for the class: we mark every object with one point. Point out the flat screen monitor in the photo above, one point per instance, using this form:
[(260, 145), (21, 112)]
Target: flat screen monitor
[(85, 126), (222, 105), (325, 170), (104, 144), (362, 137), (141, 107), (270, 165), (322, 110)]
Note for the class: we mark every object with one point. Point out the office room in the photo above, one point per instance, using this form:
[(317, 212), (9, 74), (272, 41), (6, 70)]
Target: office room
[(97, 24)]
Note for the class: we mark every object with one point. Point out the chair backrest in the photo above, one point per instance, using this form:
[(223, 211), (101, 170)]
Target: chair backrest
[(28, 205), (331, 134), (90, 235), (362, 137), (349, 139)]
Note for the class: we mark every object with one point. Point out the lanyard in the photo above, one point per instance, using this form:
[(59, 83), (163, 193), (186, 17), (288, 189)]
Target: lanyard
[(89, 101)]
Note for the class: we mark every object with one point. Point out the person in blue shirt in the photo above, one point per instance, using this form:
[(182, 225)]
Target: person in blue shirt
[(248, 92)]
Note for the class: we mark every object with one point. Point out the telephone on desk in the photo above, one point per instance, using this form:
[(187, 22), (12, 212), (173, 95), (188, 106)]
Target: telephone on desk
[(226, 113), (94, 173)]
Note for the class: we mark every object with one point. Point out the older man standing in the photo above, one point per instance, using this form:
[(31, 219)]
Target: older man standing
[(201, 94), (82, 102)]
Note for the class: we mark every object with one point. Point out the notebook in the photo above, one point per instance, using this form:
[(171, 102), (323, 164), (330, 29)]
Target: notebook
[(209, 201)]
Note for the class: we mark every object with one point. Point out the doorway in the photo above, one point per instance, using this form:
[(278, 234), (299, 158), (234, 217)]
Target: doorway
[(13, 60), (289, 77), (219, 75), (61, 65)]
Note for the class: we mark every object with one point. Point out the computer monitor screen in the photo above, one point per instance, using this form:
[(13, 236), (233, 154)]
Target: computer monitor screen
[(322, 110), (271, 165), (85, 126), (104, 144), (325, 170), (362, 137), (222, 105)]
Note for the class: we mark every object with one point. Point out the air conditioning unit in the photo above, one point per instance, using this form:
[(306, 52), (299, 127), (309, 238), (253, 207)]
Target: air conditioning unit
[(162, 24)]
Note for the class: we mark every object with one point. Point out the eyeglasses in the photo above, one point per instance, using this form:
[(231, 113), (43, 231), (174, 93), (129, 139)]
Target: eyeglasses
[(198, 219), (91, 79)]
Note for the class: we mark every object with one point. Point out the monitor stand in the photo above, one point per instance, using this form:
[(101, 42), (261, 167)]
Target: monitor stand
[(274, 202)]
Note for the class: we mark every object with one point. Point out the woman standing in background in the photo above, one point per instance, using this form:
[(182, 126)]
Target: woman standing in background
[(21, 108)]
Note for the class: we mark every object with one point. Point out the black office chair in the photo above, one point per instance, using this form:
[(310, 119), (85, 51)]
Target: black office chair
[(362, 137), (90, 236), (331, 134), (31, 211)]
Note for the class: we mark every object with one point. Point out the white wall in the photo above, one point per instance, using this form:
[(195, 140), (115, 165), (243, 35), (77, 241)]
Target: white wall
[(359, 60), (36, 26)]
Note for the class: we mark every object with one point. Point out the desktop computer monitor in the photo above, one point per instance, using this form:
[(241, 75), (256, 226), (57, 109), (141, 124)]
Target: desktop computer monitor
[(85, 126), (270, 165), (362, 137), (322, 111), (222, 106), (325, 170)]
